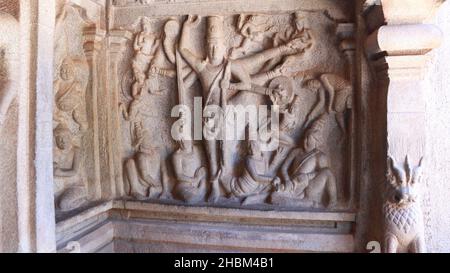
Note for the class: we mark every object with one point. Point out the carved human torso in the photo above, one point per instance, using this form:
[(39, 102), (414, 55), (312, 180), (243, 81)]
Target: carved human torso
[(190, 161), (148, 164), (210, 76), (64, 159)]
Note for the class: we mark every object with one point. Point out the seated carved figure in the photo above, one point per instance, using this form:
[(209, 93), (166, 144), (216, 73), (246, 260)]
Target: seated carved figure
[(190, 172), (142, 172), (306, 176), (70, 190), (258, 178)]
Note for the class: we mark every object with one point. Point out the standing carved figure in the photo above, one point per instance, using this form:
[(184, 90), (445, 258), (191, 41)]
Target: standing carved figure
[(142, 171), (403, 219)]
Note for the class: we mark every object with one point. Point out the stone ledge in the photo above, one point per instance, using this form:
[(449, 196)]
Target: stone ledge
[(146, 224)]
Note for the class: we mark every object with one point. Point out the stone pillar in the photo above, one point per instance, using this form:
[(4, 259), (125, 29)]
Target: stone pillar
[(36, 212), (92, 45), (346, 34), (397, 47), (117, 41)]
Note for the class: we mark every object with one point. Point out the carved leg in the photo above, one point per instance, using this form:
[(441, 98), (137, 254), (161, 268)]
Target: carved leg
[(72, 198), (211, 153), (323, 181), (418, 246), (166, 194), (390, 244), (137, 189), (80, 118), (331, 189)]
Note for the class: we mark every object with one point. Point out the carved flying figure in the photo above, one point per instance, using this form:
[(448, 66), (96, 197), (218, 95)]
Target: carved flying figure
[(403, 219), (70, 92)]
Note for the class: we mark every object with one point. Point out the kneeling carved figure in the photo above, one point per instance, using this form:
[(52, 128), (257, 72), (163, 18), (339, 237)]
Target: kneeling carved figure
[(306, 176)]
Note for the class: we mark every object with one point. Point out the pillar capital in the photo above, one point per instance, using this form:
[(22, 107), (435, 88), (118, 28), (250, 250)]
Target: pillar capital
[(93, 37)]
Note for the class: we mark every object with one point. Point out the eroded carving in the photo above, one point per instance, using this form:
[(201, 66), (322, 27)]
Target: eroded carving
[(142, 172), (70, 189), (7, 94), (306, 174), (403, 219)]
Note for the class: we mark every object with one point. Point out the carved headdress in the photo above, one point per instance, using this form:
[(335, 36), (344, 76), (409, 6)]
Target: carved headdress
[(62, 130), (215, 29)]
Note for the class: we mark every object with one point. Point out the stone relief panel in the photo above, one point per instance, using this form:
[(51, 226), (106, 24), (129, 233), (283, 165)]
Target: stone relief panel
[(290, 62), (70, 120)]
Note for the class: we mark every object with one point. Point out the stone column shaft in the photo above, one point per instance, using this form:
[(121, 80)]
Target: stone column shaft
[(36, 212)]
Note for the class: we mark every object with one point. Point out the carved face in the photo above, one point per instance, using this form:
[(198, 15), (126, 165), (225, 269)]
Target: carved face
[(402, 189), (67, 72), (63, 140), (310, 142), (403, 195), (172, 28), (216, 51), (146, 27)]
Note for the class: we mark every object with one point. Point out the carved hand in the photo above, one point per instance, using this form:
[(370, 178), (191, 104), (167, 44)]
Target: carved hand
[(192, 21), (289, 184), (295, 45)]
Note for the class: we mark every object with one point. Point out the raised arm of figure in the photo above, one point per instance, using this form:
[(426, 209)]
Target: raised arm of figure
[(193, 61)]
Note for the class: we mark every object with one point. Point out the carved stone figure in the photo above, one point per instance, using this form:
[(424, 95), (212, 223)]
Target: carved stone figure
[(403, 219), (253, 28), (145, 45), (70, 190), (300, 30), (142, 172), (306, 174), (69, 95), (215, 74), (190, 172), (340, 97), (258, 178), (7, 94), (153, 59)]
